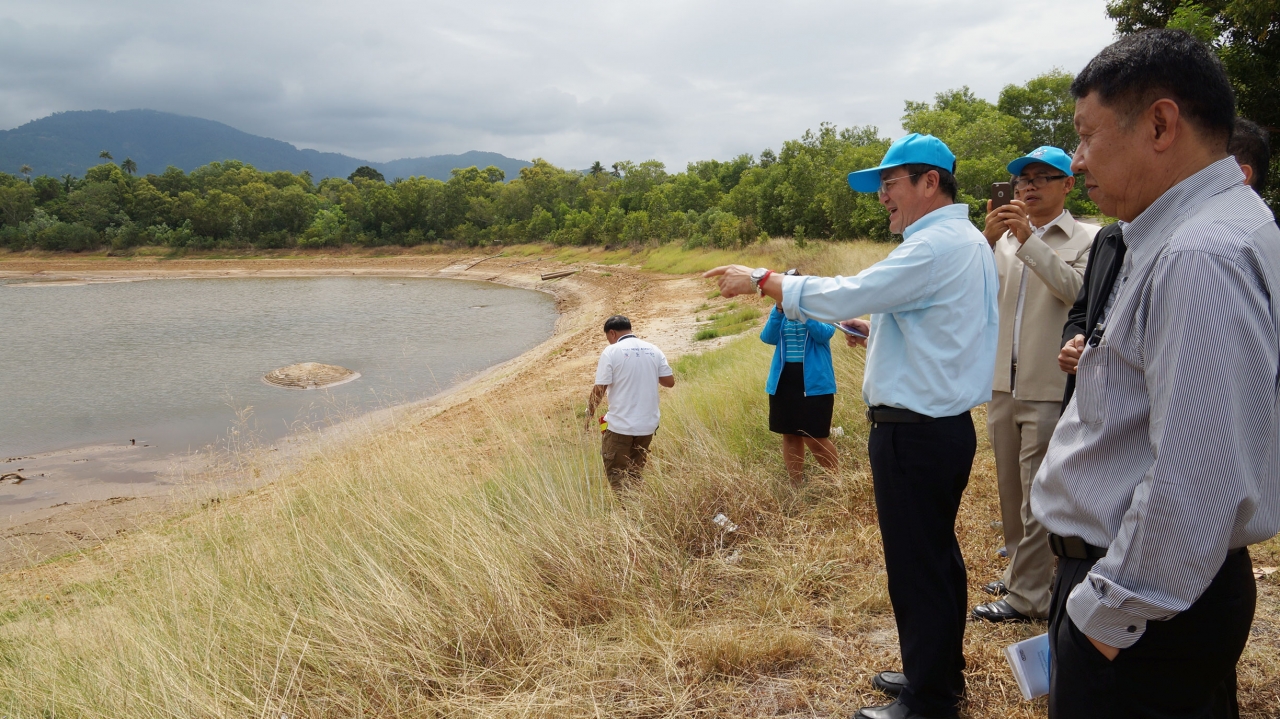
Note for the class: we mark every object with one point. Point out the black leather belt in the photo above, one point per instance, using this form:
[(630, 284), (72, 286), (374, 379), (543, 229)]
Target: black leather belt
[(880, 414), (1074, 548), (1077, 548)]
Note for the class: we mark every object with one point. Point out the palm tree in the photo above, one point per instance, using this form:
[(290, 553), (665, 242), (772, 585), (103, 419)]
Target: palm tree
[(129, 166), (67, 181), (26, 172), (617, 171), (596, 170), (105, 155)]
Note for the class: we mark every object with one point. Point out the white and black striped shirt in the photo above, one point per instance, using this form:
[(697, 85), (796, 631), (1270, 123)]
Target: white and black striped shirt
[(1167, 453)]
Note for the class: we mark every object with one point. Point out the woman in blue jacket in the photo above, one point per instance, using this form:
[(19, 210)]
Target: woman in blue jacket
[(802, 390)]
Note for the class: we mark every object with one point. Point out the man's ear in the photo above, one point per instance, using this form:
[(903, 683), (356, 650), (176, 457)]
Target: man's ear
[(932, 182), (1164, 117), (1248, 173), (1069, 183)]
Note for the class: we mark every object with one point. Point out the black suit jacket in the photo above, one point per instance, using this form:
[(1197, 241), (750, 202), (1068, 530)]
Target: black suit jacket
[(1104, 264)]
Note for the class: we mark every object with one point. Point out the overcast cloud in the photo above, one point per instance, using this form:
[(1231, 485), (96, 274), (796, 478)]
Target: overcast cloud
[(569, 81)]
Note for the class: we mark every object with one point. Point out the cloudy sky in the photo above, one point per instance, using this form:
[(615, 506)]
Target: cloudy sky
[(567, 80)]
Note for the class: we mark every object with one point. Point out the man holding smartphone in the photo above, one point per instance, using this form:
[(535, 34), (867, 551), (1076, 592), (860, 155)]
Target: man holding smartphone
[(930, 354), (1040, 252)]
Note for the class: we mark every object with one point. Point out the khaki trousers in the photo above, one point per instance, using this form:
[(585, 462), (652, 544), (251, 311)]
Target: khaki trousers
[(624, 457), (1019, 432)]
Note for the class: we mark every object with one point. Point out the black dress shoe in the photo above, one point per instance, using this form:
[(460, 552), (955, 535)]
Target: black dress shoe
[(996, 588), (999, 611), (896, 710), (891, 683)]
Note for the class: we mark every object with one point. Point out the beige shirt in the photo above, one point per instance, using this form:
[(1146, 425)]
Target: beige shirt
[(1054, 267)]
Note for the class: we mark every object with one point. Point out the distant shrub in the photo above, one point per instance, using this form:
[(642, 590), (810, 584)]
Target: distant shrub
[(328, 229), (68, 237)]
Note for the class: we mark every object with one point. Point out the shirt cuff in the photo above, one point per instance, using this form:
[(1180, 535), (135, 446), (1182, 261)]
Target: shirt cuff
[(792, 287), (1031, 252), (1111, 626)]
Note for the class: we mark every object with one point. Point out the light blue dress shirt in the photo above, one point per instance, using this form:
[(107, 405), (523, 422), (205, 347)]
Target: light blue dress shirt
[(933, 310)]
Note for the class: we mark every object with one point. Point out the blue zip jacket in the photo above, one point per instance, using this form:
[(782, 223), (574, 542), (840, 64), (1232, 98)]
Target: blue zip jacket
[(819, 375)]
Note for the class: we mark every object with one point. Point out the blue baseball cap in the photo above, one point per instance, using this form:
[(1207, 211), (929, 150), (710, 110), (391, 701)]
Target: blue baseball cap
[(1048, 154), (908, 150)]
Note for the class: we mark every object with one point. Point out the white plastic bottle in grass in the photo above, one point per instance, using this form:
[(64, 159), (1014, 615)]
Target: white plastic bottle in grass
[(723, 522), (837, 431)]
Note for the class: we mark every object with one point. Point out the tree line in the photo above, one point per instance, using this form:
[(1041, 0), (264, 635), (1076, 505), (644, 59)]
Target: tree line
[(798, 191)]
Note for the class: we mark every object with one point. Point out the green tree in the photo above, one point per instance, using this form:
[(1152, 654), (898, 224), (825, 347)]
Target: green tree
[(17, 202), (983, 139), (1045, 107), (541, 224), (129, 166), (106, 172), (104, 155), (596, 170), (1245, 34), (48, 189), (95, 205), (367, 173), (26, 172)]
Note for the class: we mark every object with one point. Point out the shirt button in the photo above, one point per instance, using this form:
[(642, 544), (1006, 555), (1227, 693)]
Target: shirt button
[(1133, 629)]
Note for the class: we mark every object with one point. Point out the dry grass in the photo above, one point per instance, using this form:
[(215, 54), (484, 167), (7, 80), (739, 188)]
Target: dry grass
[(490, 572)]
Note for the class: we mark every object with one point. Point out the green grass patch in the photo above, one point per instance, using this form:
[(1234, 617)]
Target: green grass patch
[(731, 321)]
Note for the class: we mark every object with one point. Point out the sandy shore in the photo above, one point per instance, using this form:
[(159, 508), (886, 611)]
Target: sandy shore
[(78, 497)]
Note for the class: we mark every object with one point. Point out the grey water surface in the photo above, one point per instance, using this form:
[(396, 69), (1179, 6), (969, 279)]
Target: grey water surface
[(178, 363)]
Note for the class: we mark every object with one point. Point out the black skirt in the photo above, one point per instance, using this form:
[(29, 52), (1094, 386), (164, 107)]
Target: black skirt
[(790, 412)]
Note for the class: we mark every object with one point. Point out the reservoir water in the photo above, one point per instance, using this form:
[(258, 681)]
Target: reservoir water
[(178, 363)]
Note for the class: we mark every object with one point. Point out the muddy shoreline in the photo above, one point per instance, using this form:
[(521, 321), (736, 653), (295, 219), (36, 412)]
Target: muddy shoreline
[(114, 488)]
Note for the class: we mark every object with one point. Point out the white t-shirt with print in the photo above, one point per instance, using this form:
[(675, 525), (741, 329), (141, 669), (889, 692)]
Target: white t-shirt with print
[(631, 368)]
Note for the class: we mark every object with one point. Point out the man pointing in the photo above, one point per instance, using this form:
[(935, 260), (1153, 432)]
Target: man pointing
[(930, 359)]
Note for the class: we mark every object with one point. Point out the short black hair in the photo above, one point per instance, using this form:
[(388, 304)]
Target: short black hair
[(1251, 146), (946, 180), (1139, 69), (617, 323)]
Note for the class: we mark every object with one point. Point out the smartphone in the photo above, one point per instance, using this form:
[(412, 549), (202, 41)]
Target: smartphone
[(848, 331), (1001, 194)]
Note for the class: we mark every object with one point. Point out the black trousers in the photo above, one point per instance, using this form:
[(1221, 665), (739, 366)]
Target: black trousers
[(1182, 667), (920, 472)]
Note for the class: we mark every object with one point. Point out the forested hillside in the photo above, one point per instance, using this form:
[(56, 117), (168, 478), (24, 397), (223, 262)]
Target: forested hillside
[(797, 191), (69, 143)]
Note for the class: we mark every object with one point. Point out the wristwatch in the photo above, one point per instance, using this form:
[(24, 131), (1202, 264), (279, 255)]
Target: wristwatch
[(758, 276)]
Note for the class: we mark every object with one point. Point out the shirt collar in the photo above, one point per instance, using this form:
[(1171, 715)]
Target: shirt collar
[(1145, 236), (950, 212), (1062, 220)]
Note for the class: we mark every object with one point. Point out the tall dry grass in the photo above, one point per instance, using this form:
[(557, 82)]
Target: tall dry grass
[(491, 573)]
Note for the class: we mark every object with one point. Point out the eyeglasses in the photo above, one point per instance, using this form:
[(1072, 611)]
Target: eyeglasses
[(1038, 181), (884, 184)]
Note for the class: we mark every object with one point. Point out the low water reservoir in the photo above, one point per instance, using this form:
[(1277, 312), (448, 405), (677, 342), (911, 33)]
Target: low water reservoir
[(178, 363)]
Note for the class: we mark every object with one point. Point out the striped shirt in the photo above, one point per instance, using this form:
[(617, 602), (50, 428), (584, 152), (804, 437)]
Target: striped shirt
[(1166, 453), (793, 336)]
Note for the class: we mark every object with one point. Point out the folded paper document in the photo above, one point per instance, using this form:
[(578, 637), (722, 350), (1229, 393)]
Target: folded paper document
[(1030, 662)]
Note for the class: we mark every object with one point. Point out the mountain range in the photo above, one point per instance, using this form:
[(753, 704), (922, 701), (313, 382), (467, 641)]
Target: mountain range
[(69, 143)]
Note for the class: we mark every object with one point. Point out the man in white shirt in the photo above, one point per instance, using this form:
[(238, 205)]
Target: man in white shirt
[(630, 371)]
